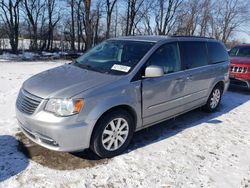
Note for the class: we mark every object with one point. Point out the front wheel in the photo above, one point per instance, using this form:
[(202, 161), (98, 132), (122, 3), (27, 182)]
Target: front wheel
[(214, 99), (112, 134)]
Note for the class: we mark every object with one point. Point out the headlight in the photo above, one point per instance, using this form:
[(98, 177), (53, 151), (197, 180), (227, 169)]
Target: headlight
[(64, 107)]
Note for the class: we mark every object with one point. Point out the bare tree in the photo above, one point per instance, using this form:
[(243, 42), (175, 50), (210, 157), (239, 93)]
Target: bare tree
[(205, 17), (109, 10), (96, 21), (228, 16), (166, 15), (87, 24), (133, 8), (79, 21), (143, 12), (72, 10), (10, 16), (53, 17), (34, 9), (148, 28), (88, 20), (192, 17)]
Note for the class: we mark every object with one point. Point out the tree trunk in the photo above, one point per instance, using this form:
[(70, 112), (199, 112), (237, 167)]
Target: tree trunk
[(72, 25), (88, 29)]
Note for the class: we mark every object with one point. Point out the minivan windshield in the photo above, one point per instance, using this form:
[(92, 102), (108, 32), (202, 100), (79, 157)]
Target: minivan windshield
[(114, 57), (240, 51)]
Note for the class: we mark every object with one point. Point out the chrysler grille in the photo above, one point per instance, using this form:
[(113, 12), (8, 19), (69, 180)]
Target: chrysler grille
[(27, 103)]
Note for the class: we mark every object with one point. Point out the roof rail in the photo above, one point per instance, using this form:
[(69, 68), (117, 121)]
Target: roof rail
[(188, 36)]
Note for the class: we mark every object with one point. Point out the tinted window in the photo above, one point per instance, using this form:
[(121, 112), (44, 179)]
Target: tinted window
[(167, 56), (240, 51), (217, 52), (193, 54), (233, 51)]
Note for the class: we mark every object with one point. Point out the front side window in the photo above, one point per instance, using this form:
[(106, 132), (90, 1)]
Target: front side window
[(193, 54), (114, 57), (240, 51), (167, 56)]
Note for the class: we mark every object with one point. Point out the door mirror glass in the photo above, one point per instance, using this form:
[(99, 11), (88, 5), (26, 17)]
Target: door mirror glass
[(153, 71)]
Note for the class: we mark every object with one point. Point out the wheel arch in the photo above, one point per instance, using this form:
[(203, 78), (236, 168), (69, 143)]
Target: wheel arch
[(221, 84), (126, 107)]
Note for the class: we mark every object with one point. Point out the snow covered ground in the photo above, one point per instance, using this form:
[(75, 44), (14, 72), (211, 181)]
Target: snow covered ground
[(38, 56), (197, 149)]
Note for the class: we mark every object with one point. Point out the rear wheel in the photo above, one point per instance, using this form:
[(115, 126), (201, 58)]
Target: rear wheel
[(214, 99), (112, 134)]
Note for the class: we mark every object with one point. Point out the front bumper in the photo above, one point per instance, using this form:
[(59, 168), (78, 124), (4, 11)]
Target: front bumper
[(55, 133), (240, 82)]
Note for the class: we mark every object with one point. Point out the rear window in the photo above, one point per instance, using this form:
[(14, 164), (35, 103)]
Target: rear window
[(193, 54), (217, 52)]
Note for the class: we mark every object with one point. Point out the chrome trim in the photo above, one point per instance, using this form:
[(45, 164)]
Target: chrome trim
[(38, 137), (238, 69), (27, 103)]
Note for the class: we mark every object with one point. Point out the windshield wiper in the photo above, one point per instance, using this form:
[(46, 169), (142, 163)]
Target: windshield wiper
[(89, 67), (83, 65)]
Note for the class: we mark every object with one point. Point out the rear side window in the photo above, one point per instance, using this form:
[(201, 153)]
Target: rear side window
[(217, 52), (193, 54)]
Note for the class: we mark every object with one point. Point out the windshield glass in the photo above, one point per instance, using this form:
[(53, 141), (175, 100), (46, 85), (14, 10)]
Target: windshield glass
[(241, 51), (114, 57)]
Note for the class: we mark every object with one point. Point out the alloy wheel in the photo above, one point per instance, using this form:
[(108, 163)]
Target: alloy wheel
[(115, 134), (215, 99)]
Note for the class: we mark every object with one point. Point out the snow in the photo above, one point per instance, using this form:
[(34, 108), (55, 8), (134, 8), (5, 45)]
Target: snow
[(197, 149)]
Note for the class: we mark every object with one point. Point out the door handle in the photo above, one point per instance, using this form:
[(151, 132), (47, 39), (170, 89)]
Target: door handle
[(190, 77)]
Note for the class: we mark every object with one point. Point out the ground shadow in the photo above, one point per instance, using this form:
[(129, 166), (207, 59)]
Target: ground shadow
[(232, 99), (87, 159), (57, 160), (238, 89), (12, 161)]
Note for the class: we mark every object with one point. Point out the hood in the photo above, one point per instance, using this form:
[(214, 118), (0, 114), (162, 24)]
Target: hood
[(240, 60), (65, 81)]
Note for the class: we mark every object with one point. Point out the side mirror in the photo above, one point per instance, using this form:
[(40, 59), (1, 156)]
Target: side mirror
[(153, 71)]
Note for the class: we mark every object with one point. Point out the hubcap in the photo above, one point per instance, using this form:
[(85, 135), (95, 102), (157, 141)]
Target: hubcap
[(215, 99), (115, 134)]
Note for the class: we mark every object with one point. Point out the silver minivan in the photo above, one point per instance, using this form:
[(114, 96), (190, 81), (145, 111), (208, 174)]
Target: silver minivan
[(121, 86)]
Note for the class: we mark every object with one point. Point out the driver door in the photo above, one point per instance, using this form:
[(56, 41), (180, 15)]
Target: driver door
[(162, 97)]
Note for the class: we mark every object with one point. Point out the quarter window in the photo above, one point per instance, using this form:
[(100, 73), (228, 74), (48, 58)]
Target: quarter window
[(217, 52), (167, 56), (193, 54)]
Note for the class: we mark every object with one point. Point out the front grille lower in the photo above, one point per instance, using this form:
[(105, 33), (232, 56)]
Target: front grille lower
[(26, 102), (237, 82), (40, 137), (237, 69)]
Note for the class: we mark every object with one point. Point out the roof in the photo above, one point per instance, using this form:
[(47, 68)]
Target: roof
[(149, 38), (244, 44)]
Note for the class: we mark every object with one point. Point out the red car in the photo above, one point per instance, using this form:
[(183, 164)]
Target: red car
[(240, 65)]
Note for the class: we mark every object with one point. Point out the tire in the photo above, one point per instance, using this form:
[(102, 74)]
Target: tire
[(107, 140), (214, 99)]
